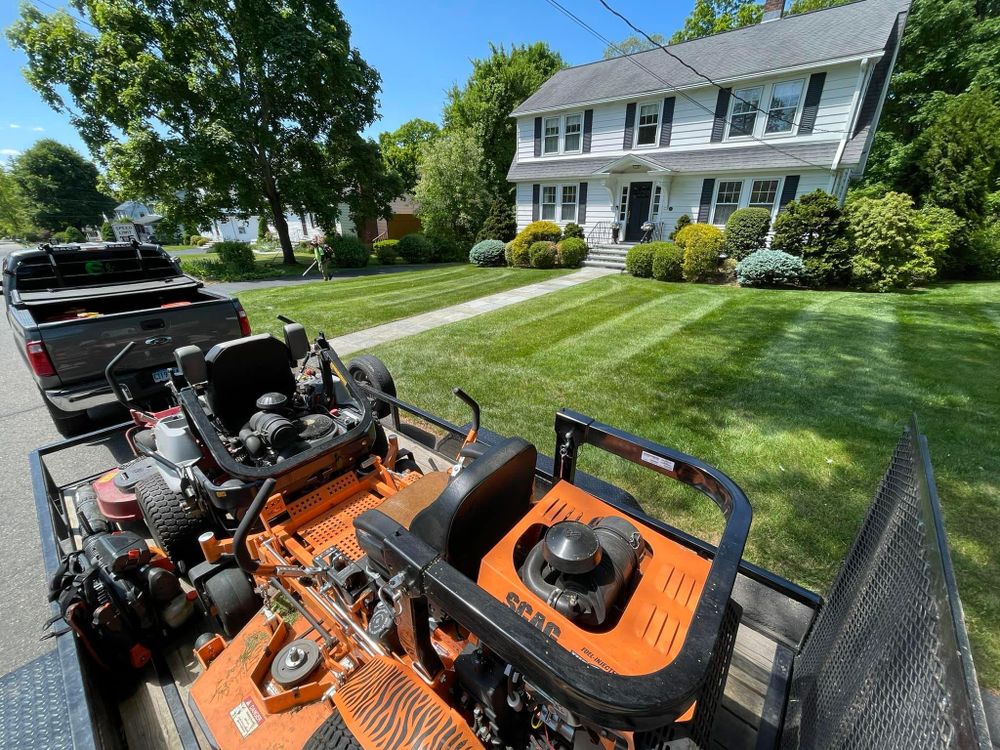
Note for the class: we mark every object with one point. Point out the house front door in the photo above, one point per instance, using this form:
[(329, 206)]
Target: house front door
[(639, 195)]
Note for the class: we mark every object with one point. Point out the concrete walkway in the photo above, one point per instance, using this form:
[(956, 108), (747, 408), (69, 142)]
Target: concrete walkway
[(352, 342)]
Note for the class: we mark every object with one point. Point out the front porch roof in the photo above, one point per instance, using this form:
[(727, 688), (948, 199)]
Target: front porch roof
[(632, 164)]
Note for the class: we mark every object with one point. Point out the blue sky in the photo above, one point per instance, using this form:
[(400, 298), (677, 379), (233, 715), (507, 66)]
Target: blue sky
[(420, 49)]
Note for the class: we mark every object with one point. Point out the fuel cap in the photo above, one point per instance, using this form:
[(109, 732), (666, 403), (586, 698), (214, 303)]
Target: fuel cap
[(571, 547)]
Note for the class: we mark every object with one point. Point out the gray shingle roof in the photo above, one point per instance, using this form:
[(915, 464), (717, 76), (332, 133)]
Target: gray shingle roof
[(809, 38), (699, 161)]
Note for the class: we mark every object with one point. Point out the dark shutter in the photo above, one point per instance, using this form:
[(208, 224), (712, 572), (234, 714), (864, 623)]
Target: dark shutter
[(705, 206), (721, 112), (536, 196), (667, 121), (788, 191), (813, 94), (538, 136), (629, 126), (588, 129), (581, 211)]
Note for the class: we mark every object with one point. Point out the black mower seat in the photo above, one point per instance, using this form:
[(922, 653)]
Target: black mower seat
[(241, 371), (469, 516)]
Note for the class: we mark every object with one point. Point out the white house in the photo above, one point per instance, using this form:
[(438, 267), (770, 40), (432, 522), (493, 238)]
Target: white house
[(300, 227), (643, 138)]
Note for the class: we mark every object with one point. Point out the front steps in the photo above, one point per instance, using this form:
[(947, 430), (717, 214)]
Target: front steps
[(608, 256)]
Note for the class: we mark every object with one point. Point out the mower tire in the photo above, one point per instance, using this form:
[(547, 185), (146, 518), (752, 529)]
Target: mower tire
[(174, 529), (371, 371), (333, 734), (233, 598)]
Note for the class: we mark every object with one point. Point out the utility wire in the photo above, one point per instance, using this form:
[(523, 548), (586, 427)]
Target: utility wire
[(698, 73), (631, 58)]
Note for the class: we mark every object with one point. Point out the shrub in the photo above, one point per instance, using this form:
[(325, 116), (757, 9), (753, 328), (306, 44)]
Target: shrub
[(538, 231), (945, 236), (888, 248), (682, 221), (348, 251), (198, 240), (415, 248), (572, 251), (770, 268), (508, 253), (983, 258), (702, 248), (487, 253), (543, 254), (235, 255), (572, 230), (446, 247), (668, 261), (520, 256), (499, 224), (107, 233), (814, 228), (746, 231), (639, 261), (385, 251)]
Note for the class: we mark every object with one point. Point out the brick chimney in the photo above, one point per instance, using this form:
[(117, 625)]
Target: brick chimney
[(773, 10)]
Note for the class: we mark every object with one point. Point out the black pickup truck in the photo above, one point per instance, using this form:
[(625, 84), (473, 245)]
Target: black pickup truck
[(73, 307)]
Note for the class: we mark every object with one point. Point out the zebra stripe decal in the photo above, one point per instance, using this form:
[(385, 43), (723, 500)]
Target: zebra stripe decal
[(387, 708)]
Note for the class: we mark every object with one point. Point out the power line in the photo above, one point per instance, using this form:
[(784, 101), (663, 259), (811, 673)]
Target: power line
[(565, 11), (698, 73)]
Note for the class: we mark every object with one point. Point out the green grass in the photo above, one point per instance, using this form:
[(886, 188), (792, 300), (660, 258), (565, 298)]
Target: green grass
[(338, 307), (267, 267), (175, 248), (799, 396)]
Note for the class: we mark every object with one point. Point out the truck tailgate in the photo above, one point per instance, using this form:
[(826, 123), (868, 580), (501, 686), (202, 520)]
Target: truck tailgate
[(81, 349)]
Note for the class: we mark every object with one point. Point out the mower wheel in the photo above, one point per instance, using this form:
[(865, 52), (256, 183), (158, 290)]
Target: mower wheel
[(233, 598), (371, 371), (174, 530), (333, 734)]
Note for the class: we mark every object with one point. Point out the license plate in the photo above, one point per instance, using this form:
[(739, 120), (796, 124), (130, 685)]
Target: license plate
[(161, 376)]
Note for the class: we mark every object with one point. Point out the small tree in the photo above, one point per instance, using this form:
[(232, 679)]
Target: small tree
[(500, 224), (746, 231), (452, 192), (813, 228), (889, 252)]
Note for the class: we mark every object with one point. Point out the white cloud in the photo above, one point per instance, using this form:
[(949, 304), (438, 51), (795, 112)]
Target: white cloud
[(9, 152), (14, 125), (38, 129)]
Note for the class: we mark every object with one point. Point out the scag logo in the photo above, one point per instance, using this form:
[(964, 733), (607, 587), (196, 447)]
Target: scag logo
[(534, 618)]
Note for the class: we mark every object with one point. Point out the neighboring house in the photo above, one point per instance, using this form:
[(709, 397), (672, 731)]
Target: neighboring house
[(134, 220), (796, 109), (403, 221), (300, 227)]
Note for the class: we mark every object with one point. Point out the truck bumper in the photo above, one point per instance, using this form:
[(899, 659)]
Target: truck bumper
[(80, 398)]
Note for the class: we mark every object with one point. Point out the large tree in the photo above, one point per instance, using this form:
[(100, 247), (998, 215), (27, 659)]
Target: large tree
[(60, 186), (483, 105), (247, 105), (401, 148), (632, 44), (713, 16), (14, 207)]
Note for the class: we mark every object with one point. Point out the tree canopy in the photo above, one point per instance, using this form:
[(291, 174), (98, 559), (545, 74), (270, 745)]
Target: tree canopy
[(714, 16), (59, 187), (633, 43), (14, 208), (401, 148), (483, 105), (250, 107)]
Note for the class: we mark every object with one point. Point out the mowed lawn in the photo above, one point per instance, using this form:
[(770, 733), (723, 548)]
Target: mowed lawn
[(799, 396), (341, 306)]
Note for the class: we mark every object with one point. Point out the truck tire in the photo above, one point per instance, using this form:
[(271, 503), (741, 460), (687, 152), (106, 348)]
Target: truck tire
[(174, 530), (233, 597), (333, 734), (371, 371), (68, 423)]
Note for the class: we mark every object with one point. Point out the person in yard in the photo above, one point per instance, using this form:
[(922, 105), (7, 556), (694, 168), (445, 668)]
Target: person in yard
[(324, 257)]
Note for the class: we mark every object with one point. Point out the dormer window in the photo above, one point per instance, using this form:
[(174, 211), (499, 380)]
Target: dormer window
[(784, 104), (649, 122), (744, 114), (783, 101), (551, 135)]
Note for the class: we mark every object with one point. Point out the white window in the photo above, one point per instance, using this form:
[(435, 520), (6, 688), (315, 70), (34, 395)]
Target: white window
[(568, 209), (743, 116), (785, 98), (551, 135), (549, 202), (649, 119), (656, 201), (623, 205), (727, 200), (763, 194), (574, 130)]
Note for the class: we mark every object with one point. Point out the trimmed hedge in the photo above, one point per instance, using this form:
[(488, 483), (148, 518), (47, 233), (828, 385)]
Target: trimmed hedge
[(572, 251), (487, 253), (639, 261), (385, 251), (543, 254), (572, 230), (746, 231), (521, 256), (695, 232), (235, 255), (770, 268), (415, 248), (702, 243), (537, 231), (682, 221), (348, 251), (668, 261)]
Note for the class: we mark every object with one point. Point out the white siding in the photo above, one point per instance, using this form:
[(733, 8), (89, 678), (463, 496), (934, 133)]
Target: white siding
[(838, 93), (598, 205)]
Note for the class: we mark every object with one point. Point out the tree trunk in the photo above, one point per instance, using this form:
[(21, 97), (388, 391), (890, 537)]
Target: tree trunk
[(280, 225)]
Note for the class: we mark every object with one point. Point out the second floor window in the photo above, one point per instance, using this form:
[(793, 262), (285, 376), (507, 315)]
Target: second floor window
[(551, 135), (574, 128), (744, 113), (649, 117), (784, 104)]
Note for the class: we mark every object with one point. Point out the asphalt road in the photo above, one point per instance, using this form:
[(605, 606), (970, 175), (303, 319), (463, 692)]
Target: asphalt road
[(25, 425)]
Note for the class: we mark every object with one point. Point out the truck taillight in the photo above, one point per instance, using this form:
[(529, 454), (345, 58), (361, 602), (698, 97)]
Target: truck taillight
[(39, 360), (241, 315)]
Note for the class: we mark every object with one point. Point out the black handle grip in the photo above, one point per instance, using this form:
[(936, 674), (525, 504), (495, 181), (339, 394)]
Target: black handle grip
[(285, 319), (109, 374), (471, 403), (240, 550)]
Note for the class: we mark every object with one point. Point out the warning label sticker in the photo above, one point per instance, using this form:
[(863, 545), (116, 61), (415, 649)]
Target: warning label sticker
[(246, 716), (653, 460)]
